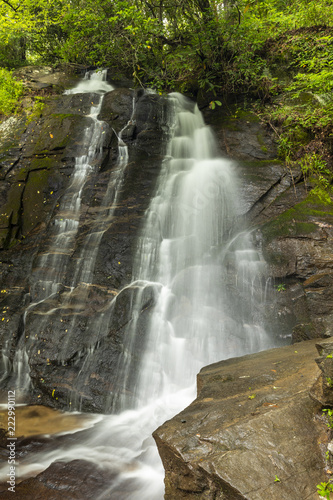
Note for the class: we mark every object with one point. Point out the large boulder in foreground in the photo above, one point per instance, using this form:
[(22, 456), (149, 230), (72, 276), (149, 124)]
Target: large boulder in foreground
[(254, 432)]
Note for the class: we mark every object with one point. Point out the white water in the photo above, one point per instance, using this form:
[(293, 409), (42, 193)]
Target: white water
[(86, 262), (94, 82), (210, 285), (211, 290)]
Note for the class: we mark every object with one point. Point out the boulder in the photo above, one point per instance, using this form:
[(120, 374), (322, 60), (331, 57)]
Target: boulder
[(253, 431)]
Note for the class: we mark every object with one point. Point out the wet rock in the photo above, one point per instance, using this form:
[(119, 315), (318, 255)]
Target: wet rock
[(58, 332), (61, 480), (117, 108), (251, 432), (322, 390)]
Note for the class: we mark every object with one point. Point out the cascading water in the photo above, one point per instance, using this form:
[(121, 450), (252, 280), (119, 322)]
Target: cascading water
[(50, 269), (208, 282), (209, 289)]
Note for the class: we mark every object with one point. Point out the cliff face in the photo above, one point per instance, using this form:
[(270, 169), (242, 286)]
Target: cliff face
[(37, 161), (293, 230)]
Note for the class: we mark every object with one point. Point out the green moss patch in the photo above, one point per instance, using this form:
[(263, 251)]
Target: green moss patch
[(301, 219), (44, 163)]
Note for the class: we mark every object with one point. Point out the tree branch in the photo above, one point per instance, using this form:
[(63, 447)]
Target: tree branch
[(15, 9)]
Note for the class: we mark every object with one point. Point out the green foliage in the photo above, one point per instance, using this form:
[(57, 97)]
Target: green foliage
[(281, 287), (324, 490), (213, 104), (329, 414), (190, 45), (313, 166), (329, 381), (10, 92)]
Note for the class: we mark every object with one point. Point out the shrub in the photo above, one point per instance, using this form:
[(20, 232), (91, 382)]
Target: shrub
[(10, 92)]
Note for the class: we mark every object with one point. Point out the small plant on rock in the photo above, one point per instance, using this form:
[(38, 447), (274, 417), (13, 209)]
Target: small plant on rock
[(281, 287), (324, 490), (329, 415)]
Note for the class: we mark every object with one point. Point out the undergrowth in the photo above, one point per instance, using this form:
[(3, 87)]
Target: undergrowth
[(10, 92)]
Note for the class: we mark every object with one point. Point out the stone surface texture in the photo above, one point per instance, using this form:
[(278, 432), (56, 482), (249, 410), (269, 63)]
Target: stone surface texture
[(254, 432)]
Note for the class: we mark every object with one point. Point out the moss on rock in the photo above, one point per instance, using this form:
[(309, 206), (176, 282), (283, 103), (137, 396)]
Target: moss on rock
[(300, 220)]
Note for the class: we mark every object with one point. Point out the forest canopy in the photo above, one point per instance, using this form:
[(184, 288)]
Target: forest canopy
[(276, 54), (170, 44)]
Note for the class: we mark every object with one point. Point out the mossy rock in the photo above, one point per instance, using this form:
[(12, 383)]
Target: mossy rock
[(43, 163), (301, 220)]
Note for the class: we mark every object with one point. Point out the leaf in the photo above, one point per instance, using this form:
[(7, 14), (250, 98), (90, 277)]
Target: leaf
[(246, 9), (51, 135)]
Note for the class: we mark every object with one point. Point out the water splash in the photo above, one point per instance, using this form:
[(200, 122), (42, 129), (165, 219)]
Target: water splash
[(94, 82)]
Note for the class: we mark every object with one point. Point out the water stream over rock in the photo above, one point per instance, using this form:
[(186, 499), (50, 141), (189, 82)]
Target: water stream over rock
[(48, 275), (196, 276)]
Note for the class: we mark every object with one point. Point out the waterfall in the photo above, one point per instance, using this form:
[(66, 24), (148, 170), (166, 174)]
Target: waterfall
[(209, 289), (208, 281), (49, 272), (196, 276)]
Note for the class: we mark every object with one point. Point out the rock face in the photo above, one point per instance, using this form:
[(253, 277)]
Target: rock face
[(292, 227), (253, 432), (37, 160), (253, 421)]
